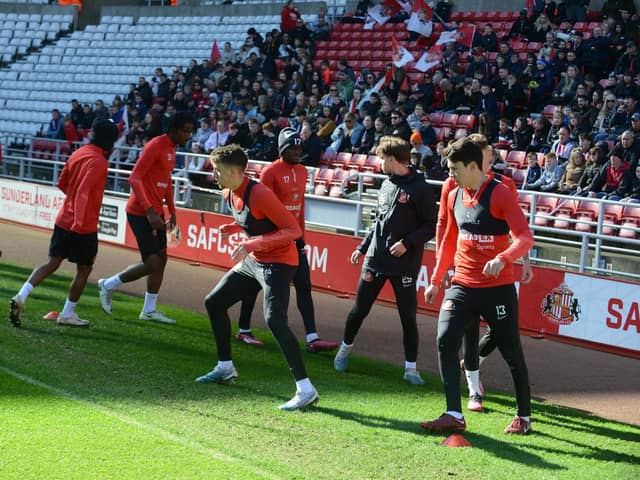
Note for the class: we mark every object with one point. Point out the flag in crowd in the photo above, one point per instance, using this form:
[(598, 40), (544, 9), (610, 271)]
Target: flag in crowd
[(215, 52), (420, 20), (429, 59), (400, 55)]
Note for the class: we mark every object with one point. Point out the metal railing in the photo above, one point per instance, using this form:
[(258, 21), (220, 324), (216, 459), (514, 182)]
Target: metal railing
[(353, 212)]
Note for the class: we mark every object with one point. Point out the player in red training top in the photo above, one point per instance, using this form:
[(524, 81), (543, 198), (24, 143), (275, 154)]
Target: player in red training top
[(481, 216), (476, 351), (268, 258), (75, 235), (151, 184), (288, 180)]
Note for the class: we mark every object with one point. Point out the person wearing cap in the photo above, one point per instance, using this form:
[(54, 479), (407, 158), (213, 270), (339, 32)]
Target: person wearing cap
[(607, 183), (392, 251), (629, 60), (151, 189), (417, 144), (75, 233), (266, 258), (635, 125), (287, 178)]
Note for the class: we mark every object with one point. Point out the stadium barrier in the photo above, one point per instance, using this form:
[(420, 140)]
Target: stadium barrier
[(582, 309)]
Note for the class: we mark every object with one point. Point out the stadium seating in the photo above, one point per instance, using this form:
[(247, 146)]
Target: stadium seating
[(587, 212), (630, 220)]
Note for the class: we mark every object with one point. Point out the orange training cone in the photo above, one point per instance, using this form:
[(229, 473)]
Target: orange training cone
[(455, 440), (51, 316)]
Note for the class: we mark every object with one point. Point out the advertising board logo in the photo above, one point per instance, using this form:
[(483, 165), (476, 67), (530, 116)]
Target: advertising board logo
[(560, 307)]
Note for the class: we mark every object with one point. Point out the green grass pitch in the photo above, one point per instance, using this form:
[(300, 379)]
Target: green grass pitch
[(118, 400)]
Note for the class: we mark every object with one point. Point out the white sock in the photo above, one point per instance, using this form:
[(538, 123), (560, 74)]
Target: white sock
[(150, 300), (312, 336), (25, 291), (526, 419), (345, 346), (473, 381), (245, 330), (68, 309), (304, 385), (112, 283), (410, 366), (225, 364), (456, 415)]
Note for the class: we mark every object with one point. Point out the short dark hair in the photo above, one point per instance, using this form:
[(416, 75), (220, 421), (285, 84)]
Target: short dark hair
[(465, 151), (231, 155), (179, 120)]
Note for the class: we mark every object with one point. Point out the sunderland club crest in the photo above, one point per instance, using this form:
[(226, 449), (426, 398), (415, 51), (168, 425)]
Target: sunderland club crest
[(560, 307)]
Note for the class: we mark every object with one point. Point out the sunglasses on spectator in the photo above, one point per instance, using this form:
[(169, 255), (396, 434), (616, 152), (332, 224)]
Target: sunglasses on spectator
[(394, 118), (333, 90)]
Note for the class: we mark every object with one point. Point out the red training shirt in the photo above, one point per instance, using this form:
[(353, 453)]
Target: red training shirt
[(82, 180), (469, 259), (150, 179), (272, 247), (288, 182)]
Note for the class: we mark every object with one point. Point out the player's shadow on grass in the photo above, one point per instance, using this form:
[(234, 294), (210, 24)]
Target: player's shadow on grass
[(593, 452), (577, 421), (498, 448)]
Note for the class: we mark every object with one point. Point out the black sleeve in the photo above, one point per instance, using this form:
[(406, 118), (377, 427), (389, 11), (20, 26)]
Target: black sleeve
[(424, 202)]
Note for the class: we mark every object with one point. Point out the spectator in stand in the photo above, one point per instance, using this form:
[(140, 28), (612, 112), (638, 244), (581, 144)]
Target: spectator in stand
[(573, 172), (521, 27), (217, 138), (540, 28), (228, 56), (522, 133), (534, 171), (621, 119), (563, 146), (541, 128), (400, 126), (629, 61), (194, 167), (418, 145), (382, 130), (69, 130), (321, 28), (237, 135), (427, 132), (591, 170), (346, 135), (566, 89), (602, 124), (630, 186), (627, 88), (311, 147), (367, 139), (487, 40), (145, 91), (76, 113), (345, 86), (630, 147), (550, 176), (55, 128), (505, 137), (487, 127), (576, 10), (288, 17), (607, 182), (487, 102), (541, 85)]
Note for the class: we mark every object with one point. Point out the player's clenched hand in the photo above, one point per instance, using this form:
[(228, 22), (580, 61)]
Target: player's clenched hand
[(527, 272), (355, 257), (155, 221), (398, 249), (493, 268)]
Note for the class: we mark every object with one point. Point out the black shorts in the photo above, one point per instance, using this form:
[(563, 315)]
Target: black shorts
[(148, 243), (76, 247)]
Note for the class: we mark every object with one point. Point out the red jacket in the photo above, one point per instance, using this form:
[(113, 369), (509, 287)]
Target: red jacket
[(150, 179), (288, 18), (288, 182), (82, 180)]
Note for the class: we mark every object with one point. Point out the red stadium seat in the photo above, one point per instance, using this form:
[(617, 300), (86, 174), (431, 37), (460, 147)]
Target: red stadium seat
[(323, 176), (372, 164), (517, 158), (519, 175), (339, 174), (492, 16), (254, 169), (586, 215), (357, 161), (327, 158), (564, 213), (630, 219), (341, 160), (548, 110), (612, 214), (544, 206), (466, 121), (524, 200), (448, 119)]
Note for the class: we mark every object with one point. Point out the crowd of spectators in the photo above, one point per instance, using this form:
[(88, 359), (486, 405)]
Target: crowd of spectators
[(248, 94)]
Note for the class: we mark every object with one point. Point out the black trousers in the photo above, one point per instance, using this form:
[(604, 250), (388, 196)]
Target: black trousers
[(404, 288), (461, 308), (302, 282), (474, 348), (273, 279)]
